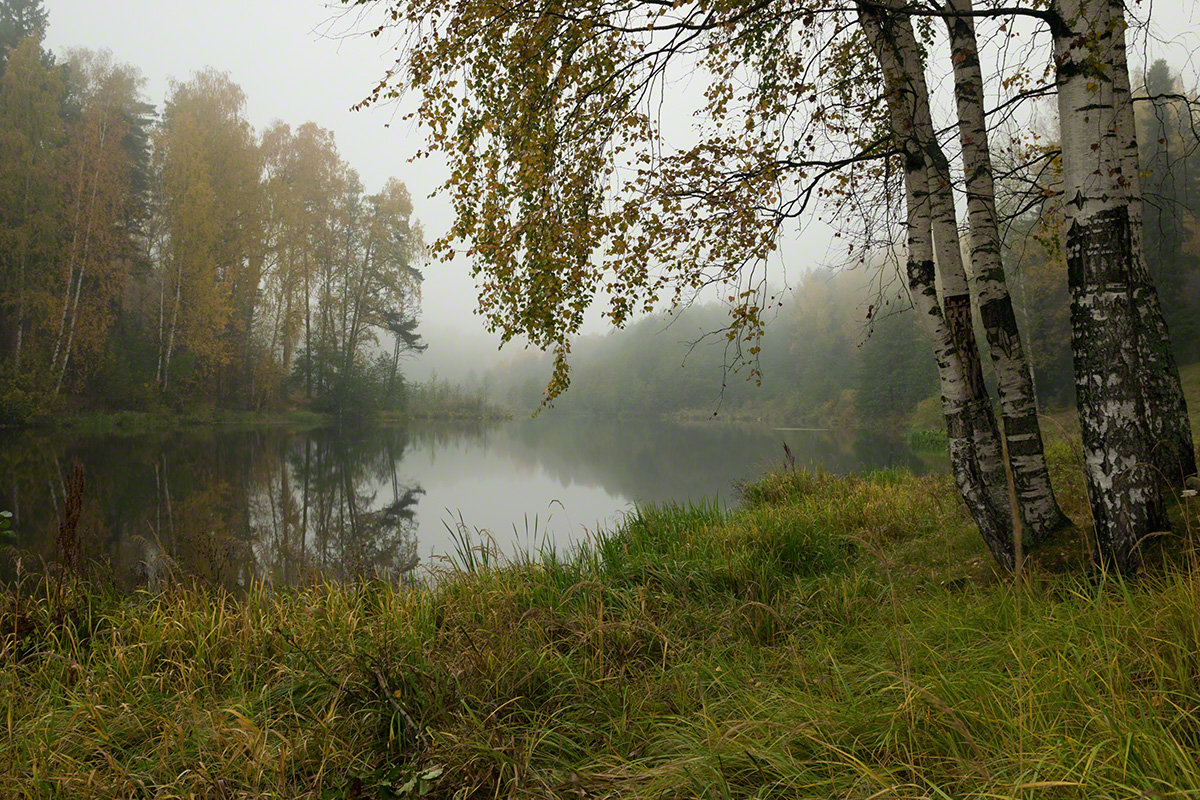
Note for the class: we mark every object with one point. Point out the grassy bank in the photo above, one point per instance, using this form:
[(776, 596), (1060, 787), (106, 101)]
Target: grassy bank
[(835, 637)]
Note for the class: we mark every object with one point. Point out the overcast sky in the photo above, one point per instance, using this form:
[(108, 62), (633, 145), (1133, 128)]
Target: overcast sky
[(301, 60)]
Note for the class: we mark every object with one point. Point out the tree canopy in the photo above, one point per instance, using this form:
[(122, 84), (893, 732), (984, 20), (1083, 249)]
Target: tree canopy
[(568, 187), (633, 154), (563, 177)]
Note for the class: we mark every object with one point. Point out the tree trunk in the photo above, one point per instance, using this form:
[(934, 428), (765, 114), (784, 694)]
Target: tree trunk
[(83, 261), (22, 269), (165, 370), (162, 322), (1039, 509), (72, 256), (308, 353), (970, 426), (1167, 415), (362, 291), (1109, 339)]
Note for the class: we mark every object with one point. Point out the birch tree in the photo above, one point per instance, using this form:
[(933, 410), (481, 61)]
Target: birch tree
[(975, 452), (1131, 410), (1014, 377), (98, 201), (790, 117), (209, 178), (303, 176)]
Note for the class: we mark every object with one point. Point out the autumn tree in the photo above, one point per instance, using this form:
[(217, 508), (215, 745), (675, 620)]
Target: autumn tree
[(302, 178), (934, 247), (182, 258), (81, 297), (563, 184), (207, 250), (370, 286), (383, 283), (31, 134)]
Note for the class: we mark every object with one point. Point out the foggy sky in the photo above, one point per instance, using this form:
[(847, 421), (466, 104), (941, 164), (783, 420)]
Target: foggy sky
[(302, 60)]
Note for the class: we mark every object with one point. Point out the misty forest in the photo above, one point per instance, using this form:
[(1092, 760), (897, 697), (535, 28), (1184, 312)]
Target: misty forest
[(640, 398)]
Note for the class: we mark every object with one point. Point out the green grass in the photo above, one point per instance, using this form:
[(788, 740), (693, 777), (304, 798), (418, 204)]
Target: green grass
[(927, 439), (835, 637)]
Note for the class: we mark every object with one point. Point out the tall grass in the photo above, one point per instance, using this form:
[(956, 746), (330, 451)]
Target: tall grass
[(833, 637)]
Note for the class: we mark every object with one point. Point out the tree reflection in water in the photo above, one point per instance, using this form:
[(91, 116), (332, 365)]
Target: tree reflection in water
[(231, 507), (226, 508)]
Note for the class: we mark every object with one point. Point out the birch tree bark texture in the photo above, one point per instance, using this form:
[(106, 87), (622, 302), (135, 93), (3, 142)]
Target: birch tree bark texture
[(1123, 378), (974, 444), (1174, 451), (1038, 505)]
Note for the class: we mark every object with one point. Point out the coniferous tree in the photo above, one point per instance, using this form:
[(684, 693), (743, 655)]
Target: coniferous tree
[(19, 20), (1167, 140)]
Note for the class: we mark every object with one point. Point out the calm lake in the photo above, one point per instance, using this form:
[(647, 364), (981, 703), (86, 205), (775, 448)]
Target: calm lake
[(235, 505)]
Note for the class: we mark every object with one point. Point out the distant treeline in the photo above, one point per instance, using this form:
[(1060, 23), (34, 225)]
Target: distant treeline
[(183, 258), (846, 347), (822, 361)]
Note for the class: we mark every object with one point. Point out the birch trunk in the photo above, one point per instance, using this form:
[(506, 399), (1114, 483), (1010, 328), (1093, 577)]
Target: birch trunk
[(71, 259), (165, 369), (956, 293), (308, 353), (20, 321), (87, 236), (1108, 336), (1038, 506), (356, 317), (1167, 414), (22, 269), (162, 321), (974, 444)]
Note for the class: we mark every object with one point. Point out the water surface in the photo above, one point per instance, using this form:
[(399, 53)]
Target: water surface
[(231, 506)]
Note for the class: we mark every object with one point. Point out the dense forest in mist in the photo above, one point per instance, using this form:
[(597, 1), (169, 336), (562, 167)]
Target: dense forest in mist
[(846, 346), (176, 257)]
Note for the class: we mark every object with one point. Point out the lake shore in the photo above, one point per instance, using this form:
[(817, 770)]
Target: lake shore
[(136, 422), (833, 637)]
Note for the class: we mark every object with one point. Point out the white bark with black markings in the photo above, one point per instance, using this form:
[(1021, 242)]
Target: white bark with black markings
[(974, 444), (1110, 289), (1167, 416), (1038, 506)]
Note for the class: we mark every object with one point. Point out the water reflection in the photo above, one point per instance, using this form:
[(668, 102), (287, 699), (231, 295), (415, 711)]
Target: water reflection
[(226, 507), (231, 507)]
